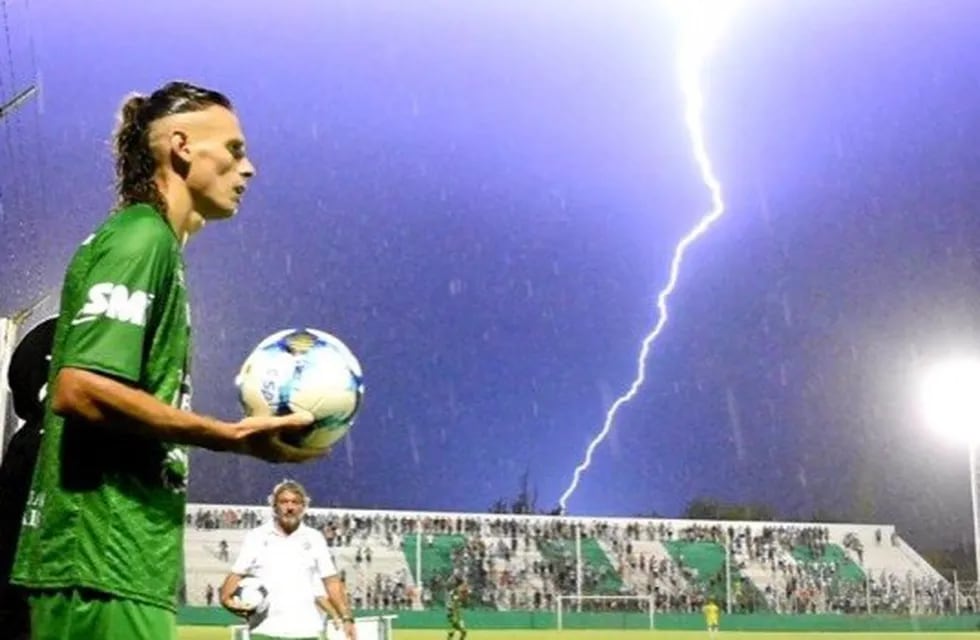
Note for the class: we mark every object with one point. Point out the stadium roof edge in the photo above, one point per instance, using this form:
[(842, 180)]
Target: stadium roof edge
[(834, 526)]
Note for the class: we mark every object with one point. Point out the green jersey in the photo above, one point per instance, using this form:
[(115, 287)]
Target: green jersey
[(106, 508), (455, 605)]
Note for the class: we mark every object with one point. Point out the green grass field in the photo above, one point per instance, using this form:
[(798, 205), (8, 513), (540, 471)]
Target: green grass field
[(221, 633)]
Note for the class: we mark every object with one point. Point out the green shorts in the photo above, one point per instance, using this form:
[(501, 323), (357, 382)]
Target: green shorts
[(80, 614)]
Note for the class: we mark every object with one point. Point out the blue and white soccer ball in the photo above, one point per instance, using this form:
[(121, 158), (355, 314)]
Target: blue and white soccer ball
[(252, 594), (304, 369)]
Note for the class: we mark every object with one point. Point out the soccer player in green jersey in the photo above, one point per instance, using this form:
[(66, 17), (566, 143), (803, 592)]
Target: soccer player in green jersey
[(454, 611), (100, 548)]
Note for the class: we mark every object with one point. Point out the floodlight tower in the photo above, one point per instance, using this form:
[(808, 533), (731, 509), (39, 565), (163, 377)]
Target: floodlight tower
[(951, 402)]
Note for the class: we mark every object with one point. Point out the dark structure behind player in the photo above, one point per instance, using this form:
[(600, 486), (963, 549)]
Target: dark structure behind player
[(27, 376)]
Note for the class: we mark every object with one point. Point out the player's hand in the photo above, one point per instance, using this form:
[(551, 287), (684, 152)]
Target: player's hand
[(350, 631), (259, 436), (235, 606)]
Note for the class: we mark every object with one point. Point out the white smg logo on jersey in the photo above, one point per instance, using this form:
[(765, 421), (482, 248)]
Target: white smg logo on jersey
[(116, 302)]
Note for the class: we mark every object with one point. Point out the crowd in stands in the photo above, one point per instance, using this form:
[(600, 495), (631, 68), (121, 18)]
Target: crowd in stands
[(513, 563), (372, 589), (228, 518)]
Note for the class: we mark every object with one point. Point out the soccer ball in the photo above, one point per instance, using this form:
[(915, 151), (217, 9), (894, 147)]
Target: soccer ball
[(252, 594), (303, 369)]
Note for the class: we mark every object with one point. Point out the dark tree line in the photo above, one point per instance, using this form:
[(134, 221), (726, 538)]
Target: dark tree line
[(525, 502)]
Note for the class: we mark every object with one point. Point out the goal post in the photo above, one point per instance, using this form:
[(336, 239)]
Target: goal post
[(605, 612)]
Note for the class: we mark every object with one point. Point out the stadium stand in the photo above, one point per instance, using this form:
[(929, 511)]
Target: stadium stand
[(398, 560)]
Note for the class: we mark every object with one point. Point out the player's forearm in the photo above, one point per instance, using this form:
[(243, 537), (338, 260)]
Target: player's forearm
[(337, 596), (103, 401), (324, 603)]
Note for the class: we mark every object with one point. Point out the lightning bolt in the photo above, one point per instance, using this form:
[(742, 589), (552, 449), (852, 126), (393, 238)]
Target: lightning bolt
[(700, 26)]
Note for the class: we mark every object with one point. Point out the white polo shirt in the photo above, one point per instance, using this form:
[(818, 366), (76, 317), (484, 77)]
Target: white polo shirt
[(292, 568)]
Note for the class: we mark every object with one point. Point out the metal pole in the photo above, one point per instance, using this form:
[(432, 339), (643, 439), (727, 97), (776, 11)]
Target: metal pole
[(728, 573), (914, 608), (867, 591), (418, 559), (7, 108), (956, 593), (976, 521), (578, 564)]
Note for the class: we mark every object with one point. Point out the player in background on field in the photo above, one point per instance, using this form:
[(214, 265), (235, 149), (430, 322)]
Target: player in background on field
[(454, 610), (101, 546), (712, 615), (27, 377), (293, 563)]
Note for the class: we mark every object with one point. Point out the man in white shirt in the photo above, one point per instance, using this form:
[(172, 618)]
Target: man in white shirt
[(293, 563)]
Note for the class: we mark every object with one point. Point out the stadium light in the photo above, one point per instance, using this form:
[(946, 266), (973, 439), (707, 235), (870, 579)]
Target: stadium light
[(951, 398), (951, 404)]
